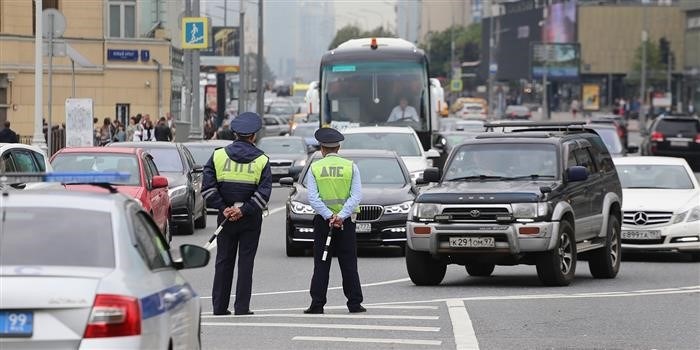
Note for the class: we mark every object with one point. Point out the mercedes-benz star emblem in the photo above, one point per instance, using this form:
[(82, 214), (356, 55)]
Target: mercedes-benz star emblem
[(475, 213), (640, 218)]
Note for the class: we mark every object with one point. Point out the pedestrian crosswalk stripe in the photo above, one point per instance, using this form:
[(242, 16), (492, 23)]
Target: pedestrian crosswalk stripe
[(321, 325), (364, 316), (462, 328), (372, 340), (370, 306)]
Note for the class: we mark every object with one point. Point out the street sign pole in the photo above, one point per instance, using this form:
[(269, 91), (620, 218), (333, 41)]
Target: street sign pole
[(48, 130), (244, 67), (38, 137), (196, 121)]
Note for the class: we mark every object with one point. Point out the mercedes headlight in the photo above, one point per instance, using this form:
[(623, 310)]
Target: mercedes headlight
[(301, 208), (177, 191), (678, 218), (425, 211), (402, 208), (693, 214), (529, 210)]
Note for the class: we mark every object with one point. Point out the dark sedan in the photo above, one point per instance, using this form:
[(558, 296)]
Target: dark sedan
[(617, 121), (387, 196), (611, 137), (184, 175), (287, 154)]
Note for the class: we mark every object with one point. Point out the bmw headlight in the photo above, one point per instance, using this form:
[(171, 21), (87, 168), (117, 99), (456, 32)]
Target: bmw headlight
[(301, 208), (177, 191), (529, 210), (402, 208), (425, 211), (300, 163)]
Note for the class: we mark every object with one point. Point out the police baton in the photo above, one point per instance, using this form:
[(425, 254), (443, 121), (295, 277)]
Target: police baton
[(210, 244), (328, 241)]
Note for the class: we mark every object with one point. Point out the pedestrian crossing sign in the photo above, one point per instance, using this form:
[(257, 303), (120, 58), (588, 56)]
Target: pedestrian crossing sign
[(456, 85), (195, 32)]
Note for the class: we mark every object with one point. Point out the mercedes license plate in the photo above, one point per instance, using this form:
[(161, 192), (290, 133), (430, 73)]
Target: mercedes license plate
[(279, 170), (16, 323), (363, 227), (472, 242), (641, 235), (680, 143)]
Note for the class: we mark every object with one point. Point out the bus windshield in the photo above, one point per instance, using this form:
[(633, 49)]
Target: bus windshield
[(393, 93)]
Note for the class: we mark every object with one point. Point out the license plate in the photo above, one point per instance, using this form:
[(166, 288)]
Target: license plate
[(680, 143), (472, 242), (641, 235), (16, 323), (363, 228), (279, 171)]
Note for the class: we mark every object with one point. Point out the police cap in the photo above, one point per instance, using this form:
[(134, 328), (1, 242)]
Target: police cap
[(246, 123), (329, 137)]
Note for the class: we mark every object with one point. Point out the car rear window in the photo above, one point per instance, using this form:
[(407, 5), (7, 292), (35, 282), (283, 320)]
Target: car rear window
[(290, 146), (202, 154), (404, 144), (671, 177), (167, 159), (126, 163), (50, 237), (678, 126), (611, 140)]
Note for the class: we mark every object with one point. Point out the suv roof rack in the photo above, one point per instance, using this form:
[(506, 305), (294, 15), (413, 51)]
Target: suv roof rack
[(99, 179), (537, 126)]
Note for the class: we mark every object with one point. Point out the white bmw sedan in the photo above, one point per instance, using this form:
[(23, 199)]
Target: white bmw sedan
[(661, 205), (90, 270)]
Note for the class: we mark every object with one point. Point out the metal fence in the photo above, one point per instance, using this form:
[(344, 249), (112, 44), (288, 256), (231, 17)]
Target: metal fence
[(58, 140)]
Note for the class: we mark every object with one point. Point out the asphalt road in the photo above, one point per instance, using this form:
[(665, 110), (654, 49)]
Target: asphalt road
[(654, 303)]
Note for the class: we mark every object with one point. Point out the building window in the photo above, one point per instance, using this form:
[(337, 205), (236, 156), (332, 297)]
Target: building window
[(122, 18), (45, 4)]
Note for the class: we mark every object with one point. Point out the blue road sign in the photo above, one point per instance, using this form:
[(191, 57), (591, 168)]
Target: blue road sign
[(195, 33)]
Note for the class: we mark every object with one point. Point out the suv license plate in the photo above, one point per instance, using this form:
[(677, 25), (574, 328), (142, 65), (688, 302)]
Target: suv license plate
[(16, 323), (279, 170), (641, 235), (472, 242), (680, 144), (363, 228)]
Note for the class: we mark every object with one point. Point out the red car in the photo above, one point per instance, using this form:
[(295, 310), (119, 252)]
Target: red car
[(145, 185)]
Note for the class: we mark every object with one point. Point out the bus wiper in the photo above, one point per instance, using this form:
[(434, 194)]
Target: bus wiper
[(476, 177), (531, 176)]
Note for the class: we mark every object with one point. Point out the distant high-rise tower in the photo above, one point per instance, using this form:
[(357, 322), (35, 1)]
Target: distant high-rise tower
[(408, 19)]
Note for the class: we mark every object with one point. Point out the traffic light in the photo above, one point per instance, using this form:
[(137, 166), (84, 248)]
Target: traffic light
[(665, 50)]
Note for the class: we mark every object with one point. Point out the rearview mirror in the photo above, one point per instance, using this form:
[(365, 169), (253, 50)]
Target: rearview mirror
[(430, 175), (577, 173), (160, 181), (287, 181), (432, 154), (193, 256)]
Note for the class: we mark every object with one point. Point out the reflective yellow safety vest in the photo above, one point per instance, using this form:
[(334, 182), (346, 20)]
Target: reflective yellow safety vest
[(228, 170), (333, 177)]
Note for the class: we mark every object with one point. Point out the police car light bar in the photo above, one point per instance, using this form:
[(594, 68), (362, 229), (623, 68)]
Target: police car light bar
[(66, 177)]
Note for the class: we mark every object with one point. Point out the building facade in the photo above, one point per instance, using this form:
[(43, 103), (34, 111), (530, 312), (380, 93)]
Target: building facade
[(127, 73), (438, 15)]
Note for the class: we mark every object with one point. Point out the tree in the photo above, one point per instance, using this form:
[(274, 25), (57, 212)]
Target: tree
[(656, 70), (353, 32), (438, 44)]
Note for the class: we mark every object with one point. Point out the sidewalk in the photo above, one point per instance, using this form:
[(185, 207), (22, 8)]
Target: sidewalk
[(632, 124)]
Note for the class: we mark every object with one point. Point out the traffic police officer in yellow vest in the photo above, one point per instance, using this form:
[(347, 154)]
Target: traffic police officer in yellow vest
[(237, 181), (335, 191)]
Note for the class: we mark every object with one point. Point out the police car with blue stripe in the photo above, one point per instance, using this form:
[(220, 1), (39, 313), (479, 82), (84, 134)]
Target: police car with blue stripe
[(86, 270)]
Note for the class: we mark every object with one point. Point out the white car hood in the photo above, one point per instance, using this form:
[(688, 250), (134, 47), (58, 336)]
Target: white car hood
[(414, 164), (676, 201)]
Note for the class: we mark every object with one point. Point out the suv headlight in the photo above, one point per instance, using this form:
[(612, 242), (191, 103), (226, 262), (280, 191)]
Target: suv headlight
[(301, 208), (425, 211), (402, 208), (529, 210), (177, 191)]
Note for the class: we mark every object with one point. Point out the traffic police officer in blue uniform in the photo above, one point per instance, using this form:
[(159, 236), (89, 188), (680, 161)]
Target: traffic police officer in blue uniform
[(237, 181), (334, 190)]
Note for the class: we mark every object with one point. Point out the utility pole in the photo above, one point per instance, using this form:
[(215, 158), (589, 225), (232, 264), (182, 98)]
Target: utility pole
[(38, 137), (196, 121), (243, 71), (643, 73), (49, 144), (187, 67), (492, 58), (260, 96)]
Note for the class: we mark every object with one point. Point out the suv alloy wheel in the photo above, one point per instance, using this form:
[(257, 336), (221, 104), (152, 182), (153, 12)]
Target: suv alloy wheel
[(605, 262), (557, 267), (423, 269)]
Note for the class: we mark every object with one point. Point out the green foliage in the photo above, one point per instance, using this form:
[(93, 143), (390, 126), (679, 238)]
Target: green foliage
[(656, 70), (353, 32), (467, 47)]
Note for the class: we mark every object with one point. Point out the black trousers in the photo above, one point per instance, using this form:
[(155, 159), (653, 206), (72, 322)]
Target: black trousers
[(236, 237), (343, 246)]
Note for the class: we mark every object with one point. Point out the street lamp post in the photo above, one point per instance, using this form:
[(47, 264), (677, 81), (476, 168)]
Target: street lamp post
[(38, 137), (243, 71)]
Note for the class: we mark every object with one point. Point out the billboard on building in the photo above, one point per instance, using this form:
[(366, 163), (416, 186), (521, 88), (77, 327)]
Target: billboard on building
[(591, 97), (79, 128), (559, 61), (560, 23), (225, 42)]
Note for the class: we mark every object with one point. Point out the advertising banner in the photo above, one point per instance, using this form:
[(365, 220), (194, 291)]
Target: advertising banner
[(591, 97), (559, 61), (79, 127)]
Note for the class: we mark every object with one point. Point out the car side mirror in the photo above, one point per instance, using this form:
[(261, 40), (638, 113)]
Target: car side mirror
[(577, 173), (159, 182), (632, 149), (439, 146), (197, 169), (287, 181), (430, 175), (193, 256), (432, 154)]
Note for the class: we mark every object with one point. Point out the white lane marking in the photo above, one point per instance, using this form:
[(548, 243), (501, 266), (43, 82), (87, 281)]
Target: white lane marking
[(364, 316), (372, 340), (367, 327), (462, 328), (331, 288)]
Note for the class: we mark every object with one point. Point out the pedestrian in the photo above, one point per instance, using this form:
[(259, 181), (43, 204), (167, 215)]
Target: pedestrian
[(574, 107), (8, 135), (171, 125), (106, 133), (335, 190), (121, 134), (237, 181), (148, 132), (163, 131), (131, 129), (209, 128), (225, 133)]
